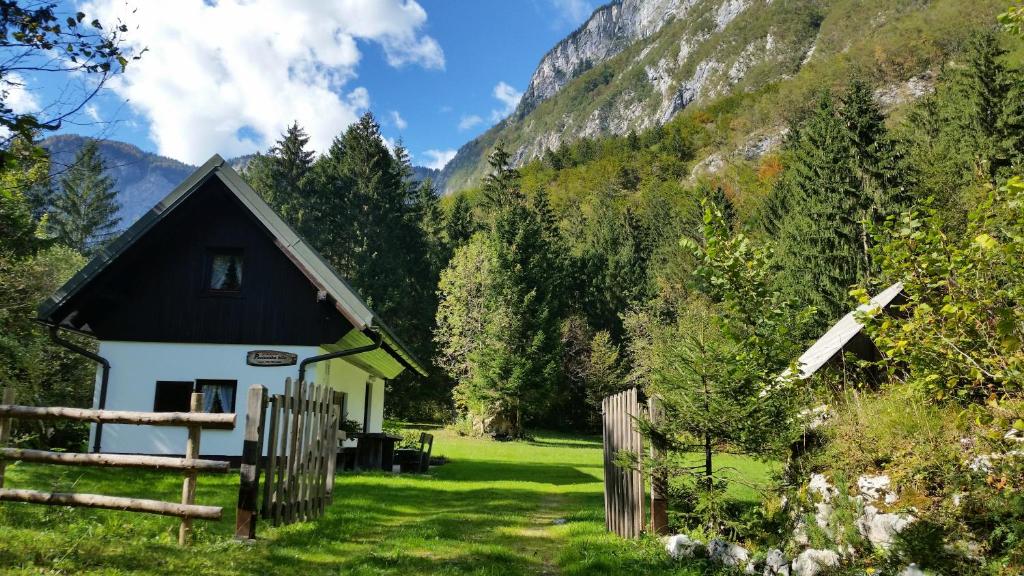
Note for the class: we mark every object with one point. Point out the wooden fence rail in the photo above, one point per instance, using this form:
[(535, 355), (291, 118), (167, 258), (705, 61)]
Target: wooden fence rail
[(302, 445), (191, 464)]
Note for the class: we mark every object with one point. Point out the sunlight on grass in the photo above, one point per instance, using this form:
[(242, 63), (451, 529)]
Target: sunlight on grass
[(490, 510)]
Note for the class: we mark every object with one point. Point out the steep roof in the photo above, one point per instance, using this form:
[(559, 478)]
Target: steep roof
[(308, 260), (840, 334)]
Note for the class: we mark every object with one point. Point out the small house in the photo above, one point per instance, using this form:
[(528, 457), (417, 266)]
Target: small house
[(212, 292)]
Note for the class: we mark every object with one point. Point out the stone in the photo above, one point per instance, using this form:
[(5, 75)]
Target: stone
[(728, 554), (912, 570), (822, 514), (820, 486), (775, 564), (813, 562), (881, 528), (682, 546), (876, 487)]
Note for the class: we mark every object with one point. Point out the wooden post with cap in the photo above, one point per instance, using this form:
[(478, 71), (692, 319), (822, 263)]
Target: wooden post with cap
[(249, 484)]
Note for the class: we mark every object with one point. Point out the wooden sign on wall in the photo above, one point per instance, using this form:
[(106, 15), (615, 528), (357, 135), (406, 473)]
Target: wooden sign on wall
[(270, 358)]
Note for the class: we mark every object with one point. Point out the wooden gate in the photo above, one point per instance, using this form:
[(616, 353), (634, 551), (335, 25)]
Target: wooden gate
[(302, 448), (190, 465), (623, 487)]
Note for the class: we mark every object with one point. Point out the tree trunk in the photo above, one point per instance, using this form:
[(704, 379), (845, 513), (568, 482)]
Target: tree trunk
[(707, 461)]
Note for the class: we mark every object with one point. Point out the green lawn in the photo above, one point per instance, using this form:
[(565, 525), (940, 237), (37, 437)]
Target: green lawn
[(491, 510)]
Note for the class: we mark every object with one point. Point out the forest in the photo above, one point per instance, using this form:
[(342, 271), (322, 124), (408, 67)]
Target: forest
[(607, 264)]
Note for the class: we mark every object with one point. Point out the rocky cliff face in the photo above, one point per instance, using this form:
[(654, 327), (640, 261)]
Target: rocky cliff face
[(637, 63), (610, 30)]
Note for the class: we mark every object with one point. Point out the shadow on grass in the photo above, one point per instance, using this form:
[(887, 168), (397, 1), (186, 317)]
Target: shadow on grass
[(488, 471)]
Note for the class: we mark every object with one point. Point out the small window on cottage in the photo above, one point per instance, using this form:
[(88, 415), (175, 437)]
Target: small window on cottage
[(226, 271), (173, 396), (218, 395)]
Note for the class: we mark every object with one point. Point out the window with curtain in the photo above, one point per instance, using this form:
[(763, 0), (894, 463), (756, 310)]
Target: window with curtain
[(225, 270), (218, 395)]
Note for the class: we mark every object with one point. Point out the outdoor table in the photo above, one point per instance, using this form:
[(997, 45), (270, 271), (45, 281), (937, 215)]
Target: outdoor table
[(375, 450)]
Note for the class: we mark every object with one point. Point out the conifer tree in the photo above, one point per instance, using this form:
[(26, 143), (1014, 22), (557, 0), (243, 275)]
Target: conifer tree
[(281, 176), (84, 214), (821, 245), (459, 225)]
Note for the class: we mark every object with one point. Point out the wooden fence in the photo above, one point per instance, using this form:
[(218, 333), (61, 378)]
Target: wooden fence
[(302, 447), (624, 487), (190, 465)]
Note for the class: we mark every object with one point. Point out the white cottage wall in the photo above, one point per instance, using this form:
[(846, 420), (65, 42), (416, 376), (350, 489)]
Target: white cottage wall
[(137, 366)]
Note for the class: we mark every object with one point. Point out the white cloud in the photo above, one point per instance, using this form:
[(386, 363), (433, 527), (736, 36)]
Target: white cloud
[(468, 122), (228, 77), (573, 11), (438, 158), (398, 121), (508, 96), (16, 95), (93, 113)]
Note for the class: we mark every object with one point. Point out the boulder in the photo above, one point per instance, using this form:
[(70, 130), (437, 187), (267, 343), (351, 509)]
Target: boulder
[(813, 562), (730, 554), (880, 528), (682, 546), (775, 564)]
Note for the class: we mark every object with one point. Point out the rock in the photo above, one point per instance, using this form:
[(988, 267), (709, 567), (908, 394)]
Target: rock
[(822, 513), (813, 562), (682, 546), (729, 554), (800, 537), (912, 570), (873, 488), (880, 528), (820, 486), (776, 564)]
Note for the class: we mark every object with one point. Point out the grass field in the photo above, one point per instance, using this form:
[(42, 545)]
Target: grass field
[(491, 510)]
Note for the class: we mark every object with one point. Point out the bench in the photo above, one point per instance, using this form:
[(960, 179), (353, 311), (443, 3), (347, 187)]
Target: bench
[(416, 460)]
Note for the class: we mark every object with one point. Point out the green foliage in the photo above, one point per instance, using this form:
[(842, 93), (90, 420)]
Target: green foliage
[(1013, 19), (84, 212), (716, 362), (960, 333), (497, 318), (842, 173)]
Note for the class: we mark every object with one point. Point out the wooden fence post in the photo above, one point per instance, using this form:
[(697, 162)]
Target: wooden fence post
[(249, 470), (659, 479), (188, 487), (5, 431)]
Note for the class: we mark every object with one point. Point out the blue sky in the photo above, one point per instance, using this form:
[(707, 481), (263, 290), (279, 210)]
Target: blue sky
[(227, 76)]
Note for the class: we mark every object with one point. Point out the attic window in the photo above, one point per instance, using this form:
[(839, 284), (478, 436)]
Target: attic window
[(225, 270)]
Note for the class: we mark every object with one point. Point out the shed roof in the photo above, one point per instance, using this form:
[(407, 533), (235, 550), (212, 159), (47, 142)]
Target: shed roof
[(308, 260), (840, 334)]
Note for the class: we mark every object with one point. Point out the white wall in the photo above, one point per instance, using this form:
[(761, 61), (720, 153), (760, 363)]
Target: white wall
[(351, 380), (136, 366)]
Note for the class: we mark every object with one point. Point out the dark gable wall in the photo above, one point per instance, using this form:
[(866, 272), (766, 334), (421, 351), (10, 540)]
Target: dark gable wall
[(156, 291)]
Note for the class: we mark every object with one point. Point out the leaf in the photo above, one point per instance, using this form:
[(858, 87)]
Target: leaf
[(80, 16), (985, 242)]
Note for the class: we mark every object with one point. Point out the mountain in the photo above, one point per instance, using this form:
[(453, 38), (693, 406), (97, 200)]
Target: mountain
[(637, 64), (142, 178)]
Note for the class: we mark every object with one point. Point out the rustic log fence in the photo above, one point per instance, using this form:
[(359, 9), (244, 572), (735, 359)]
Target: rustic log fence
[(302, 446), (191, 465), (624, 487)]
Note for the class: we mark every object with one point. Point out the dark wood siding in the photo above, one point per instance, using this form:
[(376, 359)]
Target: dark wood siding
[(157, 290)]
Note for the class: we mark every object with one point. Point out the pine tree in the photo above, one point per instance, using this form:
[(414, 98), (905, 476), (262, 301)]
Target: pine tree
[(821, 245), (500, 186), (84, 215), (459, 225), (282, 178)]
